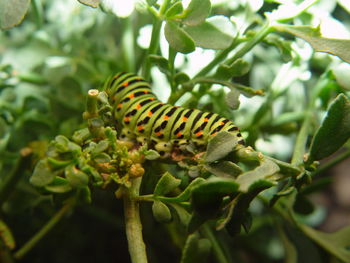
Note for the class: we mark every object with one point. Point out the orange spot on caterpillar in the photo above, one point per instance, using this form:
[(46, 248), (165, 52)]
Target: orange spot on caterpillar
[(206, 120), (214, 134), (166, 117), (152, 98), (119, 106), (146, 91), (222, 123), (150, 113), (199, 133), (125, 84), (132, 96), (140, 128), (127, 119), (179, 134), (184, 118), (138, 106), (159, 134)]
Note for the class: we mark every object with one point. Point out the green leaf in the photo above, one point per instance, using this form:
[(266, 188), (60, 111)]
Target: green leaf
[(81, 135), (91, 3), (337, 47), (224, 169), (196, 12), (6, 235), (174, 10), (166, 184), (102, 158), (151, 155), (239, 68), (196, 249), (151, 2), (220, 146), (100, 147), (334, 130), (232, 99), (59, 186), (161, 212), (283, 46), (207, 197), (181, 78), (75, 177), (84, 195), (12, 12), (291, 254), (184, 216), (337, 243), (260, 176), (206, 35), (178, 39), (42, 174), (160, 62), (185, 195)]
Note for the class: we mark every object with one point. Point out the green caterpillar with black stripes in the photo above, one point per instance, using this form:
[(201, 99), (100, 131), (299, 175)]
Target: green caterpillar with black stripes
[(164, 127)]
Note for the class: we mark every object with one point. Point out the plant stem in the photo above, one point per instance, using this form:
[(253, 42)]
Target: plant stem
[(299, 149), (44, 230), (153, 46), (218, 58), (137, 248), (341, 157), (11, 180), (260, 35), (128, 45), (219, 253)]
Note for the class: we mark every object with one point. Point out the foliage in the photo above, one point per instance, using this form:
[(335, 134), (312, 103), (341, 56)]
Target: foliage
[(260, 63)]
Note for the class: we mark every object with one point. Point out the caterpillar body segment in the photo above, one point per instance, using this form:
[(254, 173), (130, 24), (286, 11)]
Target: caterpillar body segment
[(163, 126)]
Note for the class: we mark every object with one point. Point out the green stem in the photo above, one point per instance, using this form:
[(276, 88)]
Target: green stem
[(260, 35), (44, 230), (300, 144), (137, 248), (153, 46), (218, 251), (341, 157), (11, 180), (128, 45), (218, 58)]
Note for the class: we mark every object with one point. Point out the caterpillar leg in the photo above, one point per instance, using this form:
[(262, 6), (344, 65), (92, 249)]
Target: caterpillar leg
[(164, 148), (127, 135)]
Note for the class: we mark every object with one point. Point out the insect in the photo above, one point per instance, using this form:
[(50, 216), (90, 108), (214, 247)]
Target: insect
[(163, 126)]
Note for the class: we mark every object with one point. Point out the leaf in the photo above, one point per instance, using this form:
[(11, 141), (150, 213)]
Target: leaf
[(160, 62), (337, 47), (42, 174), (59, 186), (184, 216), (224, 169), (334, 130), (283, 46), (6, 236), (12, 12), (220, 146), (337, 243), (178, 39), (100, 147), (195, 249), (91, 3), (232, 99), (206, 35), (239, 68), (341, 74), (196, 12), (258, 177), (207, 197), (84, 195), (174, 10), (161, 212), (102, 158), (151, 155), (185, 195), (75, 177), (166, 184), (181, 78)]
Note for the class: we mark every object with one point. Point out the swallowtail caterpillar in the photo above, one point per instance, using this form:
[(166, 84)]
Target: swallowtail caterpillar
[(164, 127)]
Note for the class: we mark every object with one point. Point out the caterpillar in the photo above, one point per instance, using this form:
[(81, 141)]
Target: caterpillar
[(163, 126)]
